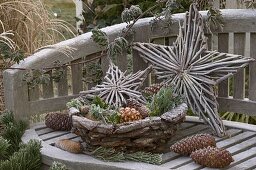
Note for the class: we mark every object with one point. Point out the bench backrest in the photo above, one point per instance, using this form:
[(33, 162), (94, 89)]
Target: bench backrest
[(238, 36)]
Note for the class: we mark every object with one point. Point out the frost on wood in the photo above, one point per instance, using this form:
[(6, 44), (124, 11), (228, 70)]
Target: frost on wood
[(118, 87), (193, 69)]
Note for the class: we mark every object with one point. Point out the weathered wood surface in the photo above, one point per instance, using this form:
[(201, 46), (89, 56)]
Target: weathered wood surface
[(24, 102), (240, 142)]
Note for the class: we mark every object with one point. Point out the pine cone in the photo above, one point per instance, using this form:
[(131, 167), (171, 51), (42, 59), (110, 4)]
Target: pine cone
[(69, 145), (129, 114), (188, 145), (58, 121), (84, 109), (133, 103), (144, 111), (212, 157), (154, 88)]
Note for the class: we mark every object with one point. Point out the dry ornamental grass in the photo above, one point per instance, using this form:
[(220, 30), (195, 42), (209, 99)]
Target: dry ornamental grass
[(27, 25)]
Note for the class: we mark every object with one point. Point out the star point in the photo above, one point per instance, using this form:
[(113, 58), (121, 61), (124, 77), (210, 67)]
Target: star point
[(192, 68)]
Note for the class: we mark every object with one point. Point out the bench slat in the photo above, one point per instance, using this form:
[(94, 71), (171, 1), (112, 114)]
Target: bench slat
[(77, 75), (239, 78), (67, 136), (53, 134), (223, 44), (63, 84), (252, 69), (48, 88), (44, 131)]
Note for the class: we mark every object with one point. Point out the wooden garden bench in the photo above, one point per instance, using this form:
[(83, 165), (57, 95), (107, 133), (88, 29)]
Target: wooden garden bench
[(238, 37)]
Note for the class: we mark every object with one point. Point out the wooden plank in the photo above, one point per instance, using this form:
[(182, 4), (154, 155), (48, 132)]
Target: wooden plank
[(48, 88), (216, 4), (252, 69), (239, 147), (33, 93), (67, 136), (159, 41), (141, 35), (16, 94), (249, 164), (77, 75), (239, 78), (44, 131), (223, 44), (52, 104), (63, 84), (237, 105), (231, 4), (172, 39), (122, 61), (235, 139), (53, 134), (105, 61)]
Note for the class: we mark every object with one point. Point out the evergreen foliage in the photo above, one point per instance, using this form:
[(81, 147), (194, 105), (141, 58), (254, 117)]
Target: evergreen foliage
[(27, 158), (4, 146), (164, 101), (12, 130), (110, 154)]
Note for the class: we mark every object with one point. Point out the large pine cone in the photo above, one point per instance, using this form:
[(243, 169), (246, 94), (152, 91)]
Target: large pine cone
[(129, 114), (188, 145), (58, 121), (212, 157), (69, 145)]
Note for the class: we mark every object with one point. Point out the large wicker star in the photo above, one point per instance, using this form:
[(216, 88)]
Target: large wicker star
[(192, 69), (118, 87)]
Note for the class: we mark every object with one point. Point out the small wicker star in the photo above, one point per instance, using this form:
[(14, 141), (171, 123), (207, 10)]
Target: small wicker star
[(192, 69), (118, 87)]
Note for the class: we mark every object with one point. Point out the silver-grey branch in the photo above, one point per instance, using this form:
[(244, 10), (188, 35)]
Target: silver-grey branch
[(118, 87)]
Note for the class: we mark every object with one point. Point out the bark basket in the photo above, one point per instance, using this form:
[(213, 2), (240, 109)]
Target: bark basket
[(147, 134)]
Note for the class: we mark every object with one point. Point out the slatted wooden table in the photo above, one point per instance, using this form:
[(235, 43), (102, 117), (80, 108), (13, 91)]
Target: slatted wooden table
[(241, 142)]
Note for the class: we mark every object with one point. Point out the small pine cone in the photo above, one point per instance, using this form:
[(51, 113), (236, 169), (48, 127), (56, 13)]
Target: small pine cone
[(189, 144), (133, 103), (144, 111), (154, 88), (84, 109), (69, 145), (129, 114), (58, 121), (212, 157)]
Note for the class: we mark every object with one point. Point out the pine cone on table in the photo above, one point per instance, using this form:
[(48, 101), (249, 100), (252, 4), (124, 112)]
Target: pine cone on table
[(212, 157), (58, 121), (69, 145), (189, 144)]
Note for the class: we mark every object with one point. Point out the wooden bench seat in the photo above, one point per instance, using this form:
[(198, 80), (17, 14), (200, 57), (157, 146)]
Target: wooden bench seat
[(241, 142)]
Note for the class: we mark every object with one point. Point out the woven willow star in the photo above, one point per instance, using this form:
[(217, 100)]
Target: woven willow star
[(118, 87), (192, 69)]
